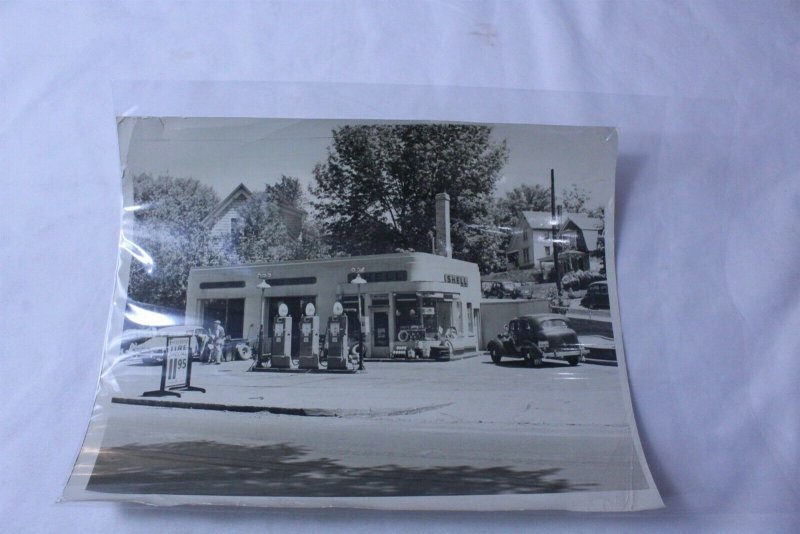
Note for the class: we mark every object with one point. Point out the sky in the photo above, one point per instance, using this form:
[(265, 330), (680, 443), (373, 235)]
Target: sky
[(224, 152)]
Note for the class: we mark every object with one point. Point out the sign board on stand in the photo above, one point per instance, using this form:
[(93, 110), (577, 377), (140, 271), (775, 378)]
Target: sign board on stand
[(176, 369)]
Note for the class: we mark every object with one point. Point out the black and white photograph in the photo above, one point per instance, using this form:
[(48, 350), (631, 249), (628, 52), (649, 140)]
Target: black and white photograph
[(422, 266), (414, 315)]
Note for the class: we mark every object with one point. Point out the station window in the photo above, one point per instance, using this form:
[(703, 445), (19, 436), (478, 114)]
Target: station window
[(381, 276), (230, 312), (380, 300), (222, 285), (297, 281), (407, 312), (470, 321)]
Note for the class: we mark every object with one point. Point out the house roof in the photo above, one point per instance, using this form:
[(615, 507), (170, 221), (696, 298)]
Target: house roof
[(583, 222), (240, 191), (222, 207), (540, 220)]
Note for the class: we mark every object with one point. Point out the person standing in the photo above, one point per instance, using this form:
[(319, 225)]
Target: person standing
[(217, 333)]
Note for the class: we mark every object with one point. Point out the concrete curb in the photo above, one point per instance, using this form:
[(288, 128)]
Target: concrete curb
[(277, 410), (321, 370)]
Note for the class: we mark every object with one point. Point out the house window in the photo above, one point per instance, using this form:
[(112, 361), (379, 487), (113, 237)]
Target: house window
[(546, 251), (525, 236), (526, 256), (234, 225)]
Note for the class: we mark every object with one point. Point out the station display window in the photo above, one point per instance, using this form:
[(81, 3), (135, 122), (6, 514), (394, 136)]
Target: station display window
[(428, 314), (407, 314), (230, 312)]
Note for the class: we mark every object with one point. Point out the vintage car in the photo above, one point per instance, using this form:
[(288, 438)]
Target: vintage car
[(504, 290), (536, 338), (596, 297), (152, 350)]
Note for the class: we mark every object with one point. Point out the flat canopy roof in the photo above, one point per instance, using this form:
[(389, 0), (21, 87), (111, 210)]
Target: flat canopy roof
[(339, 260)]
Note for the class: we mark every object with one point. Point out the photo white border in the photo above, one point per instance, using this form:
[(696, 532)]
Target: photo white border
[(385, 102)]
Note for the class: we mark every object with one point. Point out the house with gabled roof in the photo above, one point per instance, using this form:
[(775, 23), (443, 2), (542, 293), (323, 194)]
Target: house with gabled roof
[(581, 231), (225, 217), (531, 241)]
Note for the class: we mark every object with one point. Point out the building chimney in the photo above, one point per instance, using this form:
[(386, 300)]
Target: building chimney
[(443, 246)]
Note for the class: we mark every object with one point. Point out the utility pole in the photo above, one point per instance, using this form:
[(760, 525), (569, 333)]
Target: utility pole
[(554, 223)]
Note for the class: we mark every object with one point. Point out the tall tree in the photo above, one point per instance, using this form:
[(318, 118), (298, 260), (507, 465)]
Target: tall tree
[(287, 191), (173, 253), (182, 203), (376, 190), (261, 235), (574, 199), (167, 230), (522, 198)]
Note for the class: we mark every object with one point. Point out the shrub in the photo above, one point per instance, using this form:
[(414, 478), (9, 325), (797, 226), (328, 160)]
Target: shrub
[(580, 279)]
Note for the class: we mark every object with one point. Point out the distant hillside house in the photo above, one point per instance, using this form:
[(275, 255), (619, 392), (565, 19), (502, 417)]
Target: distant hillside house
[(225, 217), (531, 242), (582, 231)]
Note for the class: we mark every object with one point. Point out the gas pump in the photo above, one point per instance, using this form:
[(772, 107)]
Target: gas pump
[(336, 338), (309, 339), (282, 339)]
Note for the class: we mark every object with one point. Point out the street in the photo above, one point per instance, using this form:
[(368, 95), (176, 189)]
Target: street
[(400, 429)]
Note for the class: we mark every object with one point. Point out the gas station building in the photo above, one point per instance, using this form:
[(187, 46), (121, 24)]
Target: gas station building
[(403, 292)]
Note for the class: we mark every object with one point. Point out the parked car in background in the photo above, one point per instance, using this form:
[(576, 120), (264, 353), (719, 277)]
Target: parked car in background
[(596, 297), (539, 337), (133, 337), (153, 349), (504, 290)]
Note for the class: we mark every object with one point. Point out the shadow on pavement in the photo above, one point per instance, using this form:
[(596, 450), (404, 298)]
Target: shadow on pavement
[(211, 468)]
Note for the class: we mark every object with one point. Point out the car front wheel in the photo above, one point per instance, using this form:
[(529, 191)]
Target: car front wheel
[(495, 354), (572, 361)]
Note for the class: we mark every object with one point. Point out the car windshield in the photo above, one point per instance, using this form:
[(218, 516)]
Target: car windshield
[(554, 323), (508, 285)]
